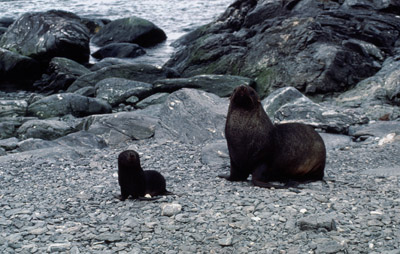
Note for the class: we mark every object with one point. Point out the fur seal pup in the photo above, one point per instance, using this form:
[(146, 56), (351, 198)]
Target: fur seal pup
[(283, 152), (135, 182)]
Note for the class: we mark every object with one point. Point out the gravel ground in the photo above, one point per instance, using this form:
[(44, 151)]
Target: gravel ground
[(69, 206)]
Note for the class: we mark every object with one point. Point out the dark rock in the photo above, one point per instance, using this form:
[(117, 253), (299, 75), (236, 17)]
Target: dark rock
[(82, 139), (94, 25), (316, 222), (139, 72), (216, 154), (120, 50), (221, 85), (106, 62), (15, 67), (44, 129), (117, 90), (6, 21), (88, 91), (2, 151), (315, 47), (193, 116), (151, 100), (44, 35), (329, 246), (13, 108), (60, 74), (68, 103), (119, 128), (132, 30), (376, 96)]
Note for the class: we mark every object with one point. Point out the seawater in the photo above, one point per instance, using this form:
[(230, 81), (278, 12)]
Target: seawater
[(175, 17)]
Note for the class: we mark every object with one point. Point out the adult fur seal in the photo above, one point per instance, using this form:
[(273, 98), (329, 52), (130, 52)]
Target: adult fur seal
[(284, 152), (134, 181)]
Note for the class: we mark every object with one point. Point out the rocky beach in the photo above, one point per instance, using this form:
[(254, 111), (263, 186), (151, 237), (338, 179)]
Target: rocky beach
[(64, 119)]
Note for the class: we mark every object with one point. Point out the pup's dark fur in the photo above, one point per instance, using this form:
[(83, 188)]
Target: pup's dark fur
[(134, 181), (284, 152)]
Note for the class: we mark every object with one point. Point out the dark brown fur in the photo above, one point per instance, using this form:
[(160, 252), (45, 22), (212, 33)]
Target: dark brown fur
[(134, 181), (285, 152)]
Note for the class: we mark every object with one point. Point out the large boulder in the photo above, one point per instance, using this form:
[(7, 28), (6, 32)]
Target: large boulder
[(193, 116), (221, 85), (139, 72), (314, 46), (10, 125), (117, 90), (120, 50), (377, 96), (68, 103), (44, 35), (134, 30), (60, 74), (291, 106), (119, 128), (44, 129)]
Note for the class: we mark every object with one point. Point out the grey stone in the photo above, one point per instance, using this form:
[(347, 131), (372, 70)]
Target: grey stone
[(121, 127), (13, 108), (117, 90), (82, 139), (170, 209), (44, 129), (376, 129), (335, 141), (59, 247), (68, 103), (34, 144), (109, 61), (221, 85), (215, 154), (132, 29), (193, 116), (2, 151), (226, 241), (7, 129), (330, 246), (88, 91), (109, 237), (157, 98)]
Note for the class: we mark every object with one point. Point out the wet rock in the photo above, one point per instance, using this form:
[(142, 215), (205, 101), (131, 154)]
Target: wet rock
[(139, 72), (68, 103), (221, 85), (120, 127), (60, 74), (88, 91), (13, 64), (44, 35), (193, 116), (132, 30), (13, 108), (157, 98), (106, 62), (119, 50), (117, 90), (316, 222), (44, 129), (9, 125)]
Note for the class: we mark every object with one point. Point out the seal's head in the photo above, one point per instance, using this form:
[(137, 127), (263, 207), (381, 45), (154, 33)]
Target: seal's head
[(129, 159), (245, 97)]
